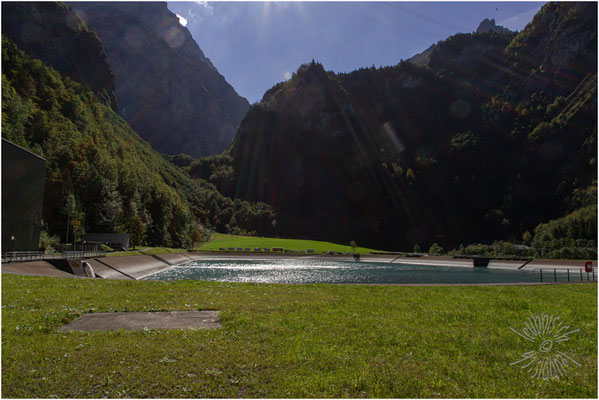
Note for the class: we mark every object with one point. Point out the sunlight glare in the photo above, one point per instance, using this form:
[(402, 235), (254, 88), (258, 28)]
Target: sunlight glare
[(392, 135), (182, 21)]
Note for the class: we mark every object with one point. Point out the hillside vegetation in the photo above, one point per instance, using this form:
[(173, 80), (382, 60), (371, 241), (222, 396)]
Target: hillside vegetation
[(101, 176), (491, 138), (55, 34), (493, 135)]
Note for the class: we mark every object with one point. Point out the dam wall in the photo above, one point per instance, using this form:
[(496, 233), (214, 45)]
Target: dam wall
[(173, 258), (135, 267)]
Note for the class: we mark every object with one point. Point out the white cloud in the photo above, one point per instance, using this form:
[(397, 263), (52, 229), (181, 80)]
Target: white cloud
[(199, 11), (203, 4), (286, 75), (182, 20)]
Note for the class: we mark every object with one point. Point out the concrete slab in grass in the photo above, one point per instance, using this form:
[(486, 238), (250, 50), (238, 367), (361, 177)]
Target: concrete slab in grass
[(140, 320), (135, 266), (41, 268), (173, 258)]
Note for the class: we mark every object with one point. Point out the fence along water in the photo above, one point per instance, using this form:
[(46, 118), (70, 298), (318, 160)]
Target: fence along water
[(565, 275)]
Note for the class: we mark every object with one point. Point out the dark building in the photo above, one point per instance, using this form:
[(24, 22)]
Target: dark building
[(118, 241), (23, 175)]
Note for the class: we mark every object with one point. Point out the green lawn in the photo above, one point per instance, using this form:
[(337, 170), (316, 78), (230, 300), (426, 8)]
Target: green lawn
[(163, 250), (220, 240), (124, 253), (282, 341), (150, 251)]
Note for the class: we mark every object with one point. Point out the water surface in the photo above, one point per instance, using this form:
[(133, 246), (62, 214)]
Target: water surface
[(325, 271)]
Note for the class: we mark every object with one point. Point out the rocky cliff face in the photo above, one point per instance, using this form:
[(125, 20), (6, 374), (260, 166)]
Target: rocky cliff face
[(422, 58), (551, 53), (488, 25), (168, 91), (472, 147), (53, 33)]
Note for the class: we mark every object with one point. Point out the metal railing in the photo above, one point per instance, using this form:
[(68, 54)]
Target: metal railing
[(564, 275), (23, 256)]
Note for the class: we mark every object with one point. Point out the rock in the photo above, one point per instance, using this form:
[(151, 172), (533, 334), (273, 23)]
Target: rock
[(422, 58), (168, 91), (53, 33), (488, 25)]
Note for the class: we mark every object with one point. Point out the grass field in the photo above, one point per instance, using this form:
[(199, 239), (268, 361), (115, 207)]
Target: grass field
[(290, 340), (149, 251), (224, 241), (163, 250)]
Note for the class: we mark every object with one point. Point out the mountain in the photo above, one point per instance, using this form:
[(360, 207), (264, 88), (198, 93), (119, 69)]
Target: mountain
[(55, 34), (422, 58), (485, 26), (167, 90), (100, 175), (488, 25), (495, 135)]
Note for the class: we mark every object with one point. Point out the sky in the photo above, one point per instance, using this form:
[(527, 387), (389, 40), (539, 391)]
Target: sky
[(255, 45)]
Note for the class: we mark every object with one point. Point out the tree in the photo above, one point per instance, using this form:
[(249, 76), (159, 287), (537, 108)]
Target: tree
[(417, 248), (109, 208), (436, 250), (527, 238), (353, 246), (47, 242), (136, 229), (196, 238), (196, 235), (74, 219)]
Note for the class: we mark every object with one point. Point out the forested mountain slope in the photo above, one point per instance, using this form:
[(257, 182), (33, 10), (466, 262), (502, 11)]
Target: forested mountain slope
[(56, 35), (492, 136), (101, 176)]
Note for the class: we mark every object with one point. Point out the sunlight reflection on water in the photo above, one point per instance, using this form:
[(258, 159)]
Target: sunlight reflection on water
[(319, 271)]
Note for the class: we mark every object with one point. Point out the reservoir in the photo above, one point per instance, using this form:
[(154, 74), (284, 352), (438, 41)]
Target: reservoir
[(332, 271)]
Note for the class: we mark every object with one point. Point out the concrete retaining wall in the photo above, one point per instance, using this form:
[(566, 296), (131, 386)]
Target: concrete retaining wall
[(37, 268), (558, 264), (135, 266), (104, 271), (173, 258)]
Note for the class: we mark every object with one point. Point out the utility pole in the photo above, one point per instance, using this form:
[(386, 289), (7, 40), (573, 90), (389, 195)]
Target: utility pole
[(82, 242), (68, 221)]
